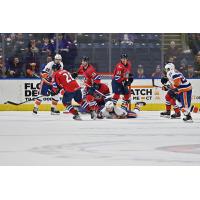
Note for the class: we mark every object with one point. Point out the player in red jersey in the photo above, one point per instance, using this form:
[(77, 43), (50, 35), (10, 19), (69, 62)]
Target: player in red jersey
[(62, 79), (99, 94), (122, 78), (92, 79), (89, 73)]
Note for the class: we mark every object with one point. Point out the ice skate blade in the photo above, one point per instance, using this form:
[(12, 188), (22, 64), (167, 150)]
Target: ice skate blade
[(168, 117), (77, 119), (188, 121), (175, 118), (55, 113)]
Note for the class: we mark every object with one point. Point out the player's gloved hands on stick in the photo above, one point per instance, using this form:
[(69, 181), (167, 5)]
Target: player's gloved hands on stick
[(165, 88), (55, 89), (74, 75), (125, 83)]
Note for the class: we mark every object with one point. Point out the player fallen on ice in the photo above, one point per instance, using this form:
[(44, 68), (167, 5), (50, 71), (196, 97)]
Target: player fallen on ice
[(182, 88), (46, 86), (111, 111), (122, 79)]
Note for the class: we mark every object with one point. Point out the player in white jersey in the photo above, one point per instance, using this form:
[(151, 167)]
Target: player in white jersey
[(182, 88), (46, 85), (110, 111)]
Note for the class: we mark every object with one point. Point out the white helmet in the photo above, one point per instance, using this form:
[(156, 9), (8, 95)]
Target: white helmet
[(170, 67), (58, 57), (109, 105)]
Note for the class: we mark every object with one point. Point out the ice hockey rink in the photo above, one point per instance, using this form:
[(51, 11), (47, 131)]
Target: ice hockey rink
[(44, 139)]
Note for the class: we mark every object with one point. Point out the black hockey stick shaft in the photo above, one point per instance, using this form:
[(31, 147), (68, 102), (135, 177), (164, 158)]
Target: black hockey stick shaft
[(95, 89), (153, 83), (17, 104)]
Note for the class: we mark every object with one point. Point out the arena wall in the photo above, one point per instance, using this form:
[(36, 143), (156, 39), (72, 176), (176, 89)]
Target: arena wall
[(142, 90)]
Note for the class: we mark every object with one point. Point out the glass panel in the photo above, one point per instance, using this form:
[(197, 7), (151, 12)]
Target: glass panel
[(148, 52)]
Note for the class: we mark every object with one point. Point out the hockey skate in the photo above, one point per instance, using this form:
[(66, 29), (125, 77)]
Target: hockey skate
[(188, 118), (54, 111), (93, 114), (165, 114), (77, 117), (176, 116), (35, 110)]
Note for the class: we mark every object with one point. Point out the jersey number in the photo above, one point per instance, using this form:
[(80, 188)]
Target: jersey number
[(68, 77)]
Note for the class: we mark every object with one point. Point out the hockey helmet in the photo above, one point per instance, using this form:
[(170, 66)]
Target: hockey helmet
[(85, 58), (109, 105), (58, 57), (169, 67), (124, 56)]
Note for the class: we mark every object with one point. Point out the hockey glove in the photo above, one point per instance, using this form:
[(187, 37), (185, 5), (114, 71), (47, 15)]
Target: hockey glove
[(74, 75), (164, 80)]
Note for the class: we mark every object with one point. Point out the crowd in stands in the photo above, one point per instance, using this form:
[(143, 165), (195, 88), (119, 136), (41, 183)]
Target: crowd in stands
[(21, 52)]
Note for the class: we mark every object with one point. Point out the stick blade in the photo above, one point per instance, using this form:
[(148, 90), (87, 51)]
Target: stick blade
[(12, 103)]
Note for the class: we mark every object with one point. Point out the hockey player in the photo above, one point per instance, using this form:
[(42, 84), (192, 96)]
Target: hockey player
[(62, 79), (92, 79), (98, 94), (170, 100), (182, 88), (88, 71), (46, 86), (122, 78), (110, 111)]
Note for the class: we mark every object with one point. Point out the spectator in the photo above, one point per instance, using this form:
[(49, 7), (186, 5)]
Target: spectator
[(183, 68), (1, 67), (20, 45), (47, 47), (192, 43), (68, 51), (126, 39), (32, 46), (170, 60), (32, 60), (15, 68), (173, 51), (190, 72), (197, 65), (9, 45), (158, 72), (140, 72)]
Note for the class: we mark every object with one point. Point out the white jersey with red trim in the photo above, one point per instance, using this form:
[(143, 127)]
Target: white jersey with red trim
[(48, 68)]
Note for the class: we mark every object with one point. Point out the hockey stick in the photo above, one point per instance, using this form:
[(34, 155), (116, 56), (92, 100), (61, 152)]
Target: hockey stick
[(153, 83), (17, 104), (95, 90)]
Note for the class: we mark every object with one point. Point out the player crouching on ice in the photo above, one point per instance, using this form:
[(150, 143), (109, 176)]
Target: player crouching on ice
[(46, 85), (182, 90), (110, 111)]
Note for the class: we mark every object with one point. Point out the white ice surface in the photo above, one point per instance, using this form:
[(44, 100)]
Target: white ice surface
[(26, 139)]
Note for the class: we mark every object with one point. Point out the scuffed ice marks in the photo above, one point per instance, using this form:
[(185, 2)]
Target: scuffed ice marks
[(98, 149)]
